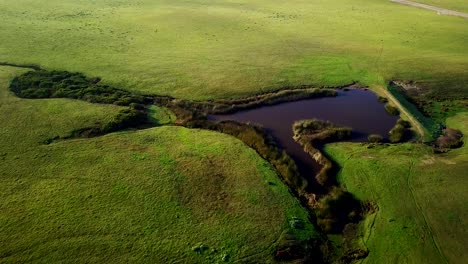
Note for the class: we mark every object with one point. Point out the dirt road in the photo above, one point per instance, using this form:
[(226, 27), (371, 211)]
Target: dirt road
[(440, 11), (414, 122)]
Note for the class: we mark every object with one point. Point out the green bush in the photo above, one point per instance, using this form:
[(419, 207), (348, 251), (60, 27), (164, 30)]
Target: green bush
[(298, 93), (336, 209), (321, 131), (400, 132), (397, 133), (382, 99), (404, 123), (374, 138), (392, 110), (63, 84)]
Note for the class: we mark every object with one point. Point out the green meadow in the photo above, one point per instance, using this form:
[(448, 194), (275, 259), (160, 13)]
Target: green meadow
[(147, 196), (422, 216), (211, 49), (169, 194)]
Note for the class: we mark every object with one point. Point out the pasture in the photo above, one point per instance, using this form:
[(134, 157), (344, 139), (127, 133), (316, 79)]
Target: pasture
[(170, 193), (422, 215), (154, 195), (220, 49)]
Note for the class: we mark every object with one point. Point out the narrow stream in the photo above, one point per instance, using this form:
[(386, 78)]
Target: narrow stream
[(356, 108)]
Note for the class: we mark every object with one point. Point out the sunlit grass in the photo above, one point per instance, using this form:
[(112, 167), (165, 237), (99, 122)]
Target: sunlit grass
[(136, 196), (421, 198), (210, 49)]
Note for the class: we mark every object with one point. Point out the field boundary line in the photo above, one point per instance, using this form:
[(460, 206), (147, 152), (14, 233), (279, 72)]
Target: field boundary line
[(440, 11)]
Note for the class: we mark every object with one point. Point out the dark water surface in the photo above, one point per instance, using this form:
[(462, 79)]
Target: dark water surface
[(356, 108)]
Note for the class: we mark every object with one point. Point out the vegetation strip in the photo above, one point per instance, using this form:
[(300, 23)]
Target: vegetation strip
[(336, 209)]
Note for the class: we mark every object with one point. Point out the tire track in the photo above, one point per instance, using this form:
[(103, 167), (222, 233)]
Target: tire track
[(440, 11), (421, 212), (415, 123)]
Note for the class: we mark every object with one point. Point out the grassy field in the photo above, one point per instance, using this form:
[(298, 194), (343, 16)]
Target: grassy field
[(210, 49), (154, 195), (422, 199), (457, 5), (136, 196)]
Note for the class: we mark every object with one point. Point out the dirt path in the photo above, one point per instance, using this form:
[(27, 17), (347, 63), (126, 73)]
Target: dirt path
[(440, 11), (415, 123)]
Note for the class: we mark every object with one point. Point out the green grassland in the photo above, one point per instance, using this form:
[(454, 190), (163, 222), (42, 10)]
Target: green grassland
[(210, 49), (456, 5), (422, 216), (133, 196), (153, 195)]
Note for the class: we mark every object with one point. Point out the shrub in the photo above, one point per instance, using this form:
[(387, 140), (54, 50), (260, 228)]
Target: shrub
[(400, 132), (382, 99), (451, 138), (374, 138), (336, 209), (63, 84), (319, 131), (392, 110), (404, 123), (397, 133), (232, 105)]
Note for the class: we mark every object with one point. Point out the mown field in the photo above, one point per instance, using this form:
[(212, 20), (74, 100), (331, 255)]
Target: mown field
[(210, 49), (137, 196), (422, 216)]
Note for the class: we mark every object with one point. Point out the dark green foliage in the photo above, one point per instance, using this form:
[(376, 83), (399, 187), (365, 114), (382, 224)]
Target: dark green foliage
[(374, 138), (397, 133), (400, 132), (382, 99), (126, 118), (233, 105), (404, 123), (392, 110), (321, 132), (63, 84), (336, 209)]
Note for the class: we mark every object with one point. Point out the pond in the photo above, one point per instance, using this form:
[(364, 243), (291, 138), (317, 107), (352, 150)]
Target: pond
[(355, 108)]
